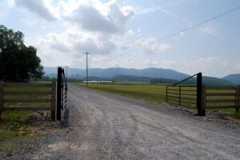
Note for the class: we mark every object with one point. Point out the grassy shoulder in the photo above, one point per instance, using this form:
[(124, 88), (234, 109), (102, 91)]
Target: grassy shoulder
[(229, 112), (15, 126), (18, 128)]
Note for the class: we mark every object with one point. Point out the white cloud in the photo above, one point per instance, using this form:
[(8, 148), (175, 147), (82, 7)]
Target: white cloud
[(152, 45), (214, 66), (92, 19), (36, 6), (148, 45), (91, 15), (102, 29), (70, 45), (94, 46), (74, 42)]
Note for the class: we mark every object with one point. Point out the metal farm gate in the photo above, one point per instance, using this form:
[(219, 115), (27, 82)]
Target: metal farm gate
[(189, 96), (62, 88)]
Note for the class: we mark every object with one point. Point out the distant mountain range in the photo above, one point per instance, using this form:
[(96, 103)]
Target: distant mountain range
[(234, 78), (153, 75), (212, 81), (110, 73)]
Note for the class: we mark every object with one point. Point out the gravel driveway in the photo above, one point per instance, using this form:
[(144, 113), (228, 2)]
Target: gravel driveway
[(105, 126)]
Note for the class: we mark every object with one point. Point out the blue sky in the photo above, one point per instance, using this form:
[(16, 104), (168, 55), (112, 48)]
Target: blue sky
[(130, 33)]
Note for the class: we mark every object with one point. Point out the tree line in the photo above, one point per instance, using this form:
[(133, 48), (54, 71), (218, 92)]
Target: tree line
[(18, 62)]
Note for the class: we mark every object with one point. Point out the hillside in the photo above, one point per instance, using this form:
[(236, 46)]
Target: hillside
[(234, 78), (216, 82), (153, 75), (211, 82)]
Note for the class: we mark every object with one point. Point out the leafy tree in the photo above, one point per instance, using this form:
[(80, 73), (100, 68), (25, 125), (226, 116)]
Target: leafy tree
[(18, 62)]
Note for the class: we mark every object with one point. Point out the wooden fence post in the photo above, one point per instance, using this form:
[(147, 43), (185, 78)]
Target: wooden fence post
[(237, 98), (167, 94), (1, 99), (180, 96), (53, 101), (204, 99), (59, 94)]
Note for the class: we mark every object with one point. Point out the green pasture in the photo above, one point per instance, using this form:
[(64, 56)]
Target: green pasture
[(152, 93), (157, 94), (15, 125)]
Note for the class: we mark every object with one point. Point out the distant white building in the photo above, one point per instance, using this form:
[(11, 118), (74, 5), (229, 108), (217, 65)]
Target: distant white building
[(98, 81)]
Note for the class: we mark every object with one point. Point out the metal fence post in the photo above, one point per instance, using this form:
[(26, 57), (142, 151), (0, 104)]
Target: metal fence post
[(59, 93), (200, 106)]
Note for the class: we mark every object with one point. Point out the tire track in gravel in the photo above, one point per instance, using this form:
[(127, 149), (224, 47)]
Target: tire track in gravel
[(115, 132), (109, 127)]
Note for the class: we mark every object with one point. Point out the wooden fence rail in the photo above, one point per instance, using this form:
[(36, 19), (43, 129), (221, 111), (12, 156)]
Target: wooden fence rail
[(182, 96), (189, 96), (28, 96), (223, 98), (212, 98)]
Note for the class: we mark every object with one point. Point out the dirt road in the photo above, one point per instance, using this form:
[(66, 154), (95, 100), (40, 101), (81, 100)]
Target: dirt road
[(105, 126)]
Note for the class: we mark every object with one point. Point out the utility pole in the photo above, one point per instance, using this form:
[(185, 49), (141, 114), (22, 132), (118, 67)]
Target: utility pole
[(87, 67), (66, 68)]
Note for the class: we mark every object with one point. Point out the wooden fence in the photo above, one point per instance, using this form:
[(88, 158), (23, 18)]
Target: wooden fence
[(222, 98), (211, 98), (28, 97)]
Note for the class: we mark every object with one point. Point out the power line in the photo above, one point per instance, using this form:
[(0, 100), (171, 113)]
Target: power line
[(223, 14)]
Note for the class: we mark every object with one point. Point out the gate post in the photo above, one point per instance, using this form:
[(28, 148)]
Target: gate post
[(59, 93), (200, 96)]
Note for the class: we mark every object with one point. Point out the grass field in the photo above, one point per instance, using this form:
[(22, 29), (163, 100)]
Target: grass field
[(13, 126), (154, 94)]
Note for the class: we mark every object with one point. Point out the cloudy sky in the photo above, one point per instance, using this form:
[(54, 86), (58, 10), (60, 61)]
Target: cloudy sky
[(186, 35)]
